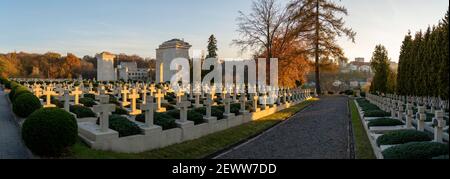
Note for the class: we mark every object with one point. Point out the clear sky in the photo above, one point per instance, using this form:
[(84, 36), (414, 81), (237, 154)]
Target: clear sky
[(86, 27)]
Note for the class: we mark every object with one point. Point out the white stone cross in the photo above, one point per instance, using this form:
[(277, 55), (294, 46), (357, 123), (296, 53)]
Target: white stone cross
[(159, 97), (255, 103), (144, 94), (183, 106), (48, 92), (37, 91), (66, 100), (208, 104), (439, 124), (125, 91), (76, 93), (134, 95), (149, 109), (104, 110), (243, 99)]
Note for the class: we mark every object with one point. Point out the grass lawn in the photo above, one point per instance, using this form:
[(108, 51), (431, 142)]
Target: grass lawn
[(363, 147), (198, 148)]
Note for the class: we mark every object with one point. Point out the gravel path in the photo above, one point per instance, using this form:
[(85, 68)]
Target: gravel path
[(319, 132), (11, 144)]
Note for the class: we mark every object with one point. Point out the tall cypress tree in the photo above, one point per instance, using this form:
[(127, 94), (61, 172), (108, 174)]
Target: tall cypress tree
[(380, 64), (402, 65)]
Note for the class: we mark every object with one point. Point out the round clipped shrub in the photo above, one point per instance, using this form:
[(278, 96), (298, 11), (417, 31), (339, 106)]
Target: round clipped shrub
[(416, 150), (49, 131), (82, 111), (7, 84), (402, 136), (25, 104), (123, 126), (88, 102), (384, 122), (18, 90)]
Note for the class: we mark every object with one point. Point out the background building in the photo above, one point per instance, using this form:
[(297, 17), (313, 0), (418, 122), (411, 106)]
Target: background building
[(167, 52)]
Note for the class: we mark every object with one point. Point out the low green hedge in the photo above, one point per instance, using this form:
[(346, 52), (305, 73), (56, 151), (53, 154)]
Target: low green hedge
[(376, 113), (384, 122), (192, 115), (50, 131), (82, 111), (88, 102), (92, 96), (402, 136), (161, 119), (216, 111), (417, 150), (25, 104), (120, 111), (123, 126)]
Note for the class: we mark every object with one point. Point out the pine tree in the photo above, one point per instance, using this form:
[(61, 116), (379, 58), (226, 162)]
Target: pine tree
[(212, 47)]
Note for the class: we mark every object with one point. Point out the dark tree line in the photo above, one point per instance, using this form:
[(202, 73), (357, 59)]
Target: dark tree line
[(424, 62)]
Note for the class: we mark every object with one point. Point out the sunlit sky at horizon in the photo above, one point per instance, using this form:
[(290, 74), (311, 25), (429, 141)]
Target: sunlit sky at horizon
[(86, 27)]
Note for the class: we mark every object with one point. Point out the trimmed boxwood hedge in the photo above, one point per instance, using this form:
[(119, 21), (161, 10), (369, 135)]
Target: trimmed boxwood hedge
[(402, 136), (49, 131), (89, 95), (376, 113), (384, 122), (216, 111), (161, 119), (25, 104), (120, 111), (416, 150), (82, 111), (192, 115), (123, 126), (88, 102)]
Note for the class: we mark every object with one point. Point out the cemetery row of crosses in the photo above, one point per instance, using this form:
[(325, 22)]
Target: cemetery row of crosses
[(161, 116), (406, 126)]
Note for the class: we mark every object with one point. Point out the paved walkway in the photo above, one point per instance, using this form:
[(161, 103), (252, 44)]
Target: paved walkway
[(319, 132), (11, 145)]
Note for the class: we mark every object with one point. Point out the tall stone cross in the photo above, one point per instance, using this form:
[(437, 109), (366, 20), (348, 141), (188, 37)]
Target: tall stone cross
[(159, 97), (49, 93), (183, 106), (134, 95), (125, 93), (439, 124), (243, 99), (104, 110), (179, 95), (143, 92), (255, 103), (197, 100), (149, 109), (208, 104), (152, 90), (66, 100)]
